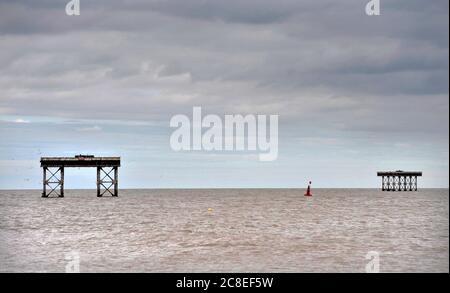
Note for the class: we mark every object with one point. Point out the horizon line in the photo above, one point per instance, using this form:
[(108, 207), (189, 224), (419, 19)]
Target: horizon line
[(197, 188)]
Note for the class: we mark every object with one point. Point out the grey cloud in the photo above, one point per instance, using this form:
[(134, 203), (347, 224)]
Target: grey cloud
[(150, 59)]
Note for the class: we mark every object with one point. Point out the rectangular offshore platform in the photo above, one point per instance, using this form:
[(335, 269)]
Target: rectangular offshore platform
[(107, 173)]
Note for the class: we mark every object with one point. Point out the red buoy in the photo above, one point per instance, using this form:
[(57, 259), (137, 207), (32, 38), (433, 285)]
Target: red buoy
[(308, 191)]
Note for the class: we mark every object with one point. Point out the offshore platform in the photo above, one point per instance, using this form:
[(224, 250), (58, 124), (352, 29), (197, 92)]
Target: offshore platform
[(399, 180), (107, 173)]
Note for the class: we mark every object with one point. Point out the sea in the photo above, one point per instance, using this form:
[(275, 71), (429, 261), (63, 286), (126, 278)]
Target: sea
[(225, 230)]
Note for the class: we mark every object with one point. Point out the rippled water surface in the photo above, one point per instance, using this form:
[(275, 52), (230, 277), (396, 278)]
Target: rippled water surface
[(238, 230)]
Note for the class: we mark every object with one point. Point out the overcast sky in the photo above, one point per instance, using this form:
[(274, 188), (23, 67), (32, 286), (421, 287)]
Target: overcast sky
[(354, 93)]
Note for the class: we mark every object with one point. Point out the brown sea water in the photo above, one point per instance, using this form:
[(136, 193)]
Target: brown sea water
[(216, 230)]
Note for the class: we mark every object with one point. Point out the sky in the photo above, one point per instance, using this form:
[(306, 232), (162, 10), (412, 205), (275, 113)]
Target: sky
[(355, 94)]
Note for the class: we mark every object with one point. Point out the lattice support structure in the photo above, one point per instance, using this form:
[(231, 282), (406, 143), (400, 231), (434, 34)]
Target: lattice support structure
[(107, 179), (53, 173), (53, 184), (399, 180)]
